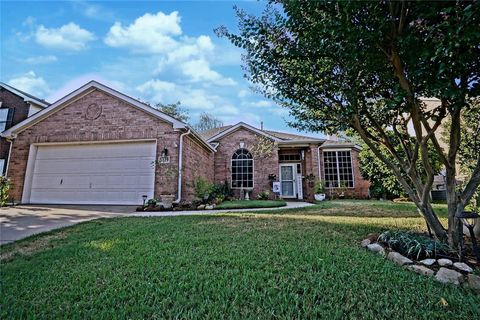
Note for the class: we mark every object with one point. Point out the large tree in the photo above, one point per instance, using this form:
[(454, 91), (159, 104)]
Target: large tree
[(207, 122), (365, 66)]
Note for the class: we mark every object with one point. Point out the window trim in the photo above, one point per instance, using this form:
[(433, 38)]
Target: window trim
[(231, 171), (338, 167)]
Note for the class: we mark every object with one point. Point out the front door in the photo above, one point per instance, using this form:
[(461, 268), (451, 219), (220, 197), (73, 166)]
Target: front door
[(288, 174)]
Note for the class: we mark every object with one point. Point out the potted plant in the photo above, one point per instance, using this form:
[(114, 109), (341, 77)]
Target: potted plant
[(319, 190)]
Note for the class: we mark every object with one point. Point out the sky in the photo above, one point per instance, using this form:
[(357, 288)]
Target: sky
[(156, 51)]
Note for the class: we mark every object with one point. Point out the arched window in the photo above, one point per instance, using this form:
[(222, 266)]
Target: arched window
[(242, 169)]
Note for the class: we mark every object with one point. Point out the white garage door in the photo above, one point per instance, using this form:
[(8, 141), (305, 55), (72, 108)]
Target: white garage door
[(114, 173)]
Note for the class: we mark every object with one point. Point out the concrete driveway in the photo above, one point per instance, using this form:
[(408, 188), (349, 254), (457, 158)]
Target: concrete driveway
[(22, 221)]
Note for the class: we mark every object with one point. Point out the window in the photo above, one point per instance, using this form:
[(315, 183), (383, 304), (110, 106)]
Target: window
[(242, 169), (338, 169), (6, 115), (289, 157), (2, 166)]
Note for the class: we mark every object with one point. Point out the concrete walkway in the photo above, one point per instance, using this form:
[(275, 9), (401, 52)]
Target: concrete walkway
[(22, 221), (290, 205)]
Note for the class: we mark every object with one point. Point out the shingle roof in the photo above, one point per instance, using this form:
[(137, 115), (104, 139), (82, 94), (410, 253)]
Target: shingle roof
[(23, 94), (207, 134)]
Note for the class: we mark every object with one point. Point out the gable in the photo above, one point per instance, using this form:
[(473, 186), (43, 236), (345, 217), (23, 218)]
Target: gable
[(236, 134), (83, 91)]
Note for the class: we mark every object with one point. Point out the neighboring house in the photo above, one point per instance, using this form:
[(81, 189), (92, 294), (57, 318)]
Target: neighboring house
[(99, 146), (15, 106)]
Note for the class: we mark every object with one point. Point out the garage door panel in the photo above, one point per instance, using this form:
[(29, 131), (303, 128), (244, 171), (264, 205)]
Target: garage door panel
[(117, 173)]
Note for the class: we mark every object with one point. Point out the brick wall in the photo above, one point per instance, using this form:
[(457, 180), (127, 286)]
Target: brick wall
[(198, 162), (262, 167), (118, 121), (10, 100)]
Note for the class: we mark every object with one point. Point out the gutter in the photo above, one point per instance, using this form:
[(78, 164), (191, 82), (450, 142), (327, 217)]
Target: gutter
[(180, 166)]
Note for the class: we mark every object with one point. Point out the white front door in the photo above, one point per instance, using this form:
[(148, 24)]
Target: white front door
[(288, 175)]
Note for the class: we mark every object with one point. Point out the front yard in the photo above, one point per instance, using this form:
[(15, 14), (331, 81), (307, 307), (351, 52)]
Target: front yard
[(298, 263)]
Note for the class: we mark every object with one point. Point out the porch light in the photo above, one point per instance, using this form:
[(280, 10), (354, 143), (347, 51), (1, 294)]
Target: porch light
[(469, 220), (144, 197)]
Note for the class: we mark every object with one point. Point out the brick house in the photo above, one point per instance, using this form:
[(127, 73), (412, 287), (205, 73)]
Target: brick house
[(99, 146), (15, 106)]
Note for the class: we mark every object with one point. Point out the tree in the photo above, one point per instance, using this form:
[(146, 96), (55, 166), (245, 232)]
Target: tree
[(364, 66), (207, 122), (174, 109)]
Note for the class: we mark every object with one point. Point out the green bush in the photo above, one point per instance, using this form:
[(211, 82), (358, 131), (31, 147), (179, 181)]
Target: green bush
[(203, 189), (319, 187), (4, 188), (413, 245), (264, 195)]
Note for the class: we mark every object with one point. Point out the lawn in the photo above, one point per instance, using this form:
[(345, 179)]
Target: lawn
[(250, 204), (282, 264)]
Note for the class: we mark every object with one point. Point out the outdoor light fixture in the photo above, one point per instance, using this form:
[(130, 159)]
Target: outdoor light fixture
[(469, 220), (144, 197)]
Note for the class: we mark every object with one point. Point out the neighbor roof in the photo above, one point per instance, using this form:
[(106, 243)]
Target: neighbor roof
[(25, 96)]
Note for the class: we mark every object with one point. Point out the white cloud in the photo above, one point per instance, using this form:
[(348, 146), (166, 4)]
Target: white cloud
[(68, 37), (31, 83), (147, 34), (199, 70), (41, 59), (261, 104), (156, 90), (93, 11)]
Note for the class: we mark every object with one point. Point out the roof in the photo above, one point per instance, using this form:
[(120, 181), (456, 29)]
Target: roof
[(90, 86), (25, 96), (331, 144), (281, 137)]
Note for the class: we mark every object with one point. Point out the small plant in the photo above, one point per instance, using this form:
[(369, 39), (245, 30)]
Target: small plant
[(264, 195), (152, 203), (4, 189), (319, 187), (413, 245), (203, 189)]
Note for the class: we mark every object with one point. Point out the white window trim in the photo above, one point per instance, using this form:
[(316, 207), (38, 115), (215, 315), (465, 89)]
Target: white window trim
[(231, 172), (338, 167)]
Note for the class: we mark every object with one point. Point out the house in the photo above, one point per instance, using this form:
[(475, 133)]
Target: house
[(99, 146), (15, 106)]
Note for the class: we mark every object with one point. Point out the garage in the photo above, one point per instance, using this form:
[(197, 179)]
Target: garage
[(90, 173)]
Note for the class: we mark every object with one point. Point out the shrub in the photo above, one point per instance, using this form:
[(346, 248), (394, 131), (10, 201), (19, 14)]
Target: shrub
[(319, 187), (413, 245), (203, 189), (4, 188), (264, 195), (152, 202)]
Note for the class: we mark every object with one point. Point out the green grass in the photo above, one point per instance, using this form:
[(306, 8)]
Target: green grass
[(250, 204), (284, 264)]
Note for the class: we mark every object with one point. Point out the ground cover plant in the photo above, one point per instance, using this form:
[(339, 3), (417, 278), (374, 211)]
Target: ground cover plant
[(303, 263), (249, 204)]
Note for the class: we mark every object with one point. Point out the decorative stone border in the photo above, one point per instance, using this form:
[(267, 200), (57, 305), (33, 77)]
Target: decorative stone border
[(443, 270)]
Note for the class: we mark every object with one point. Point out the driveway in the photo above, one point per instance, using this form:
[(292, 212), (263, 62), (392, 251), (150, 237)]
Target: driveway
[(22, 221)]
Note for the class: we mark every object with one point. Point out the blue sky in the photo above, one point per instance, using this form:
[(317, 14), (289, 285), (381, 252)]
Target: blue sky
[(157, 51)]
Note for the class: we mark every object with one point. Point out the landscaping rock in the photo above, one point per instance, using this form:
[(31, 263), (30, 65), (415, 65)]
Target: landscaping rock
[(201, 207), (399, 259), (473, 281), (428, 262), (421, 270), (365, 242), (375, 247), (444, 262), (462, 267), (445, 275), (209, 207)]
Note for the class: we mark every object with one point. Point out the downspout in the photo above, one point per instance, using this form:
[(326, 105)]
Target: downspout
[(180, 166), (10, 140), (319, 169)]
